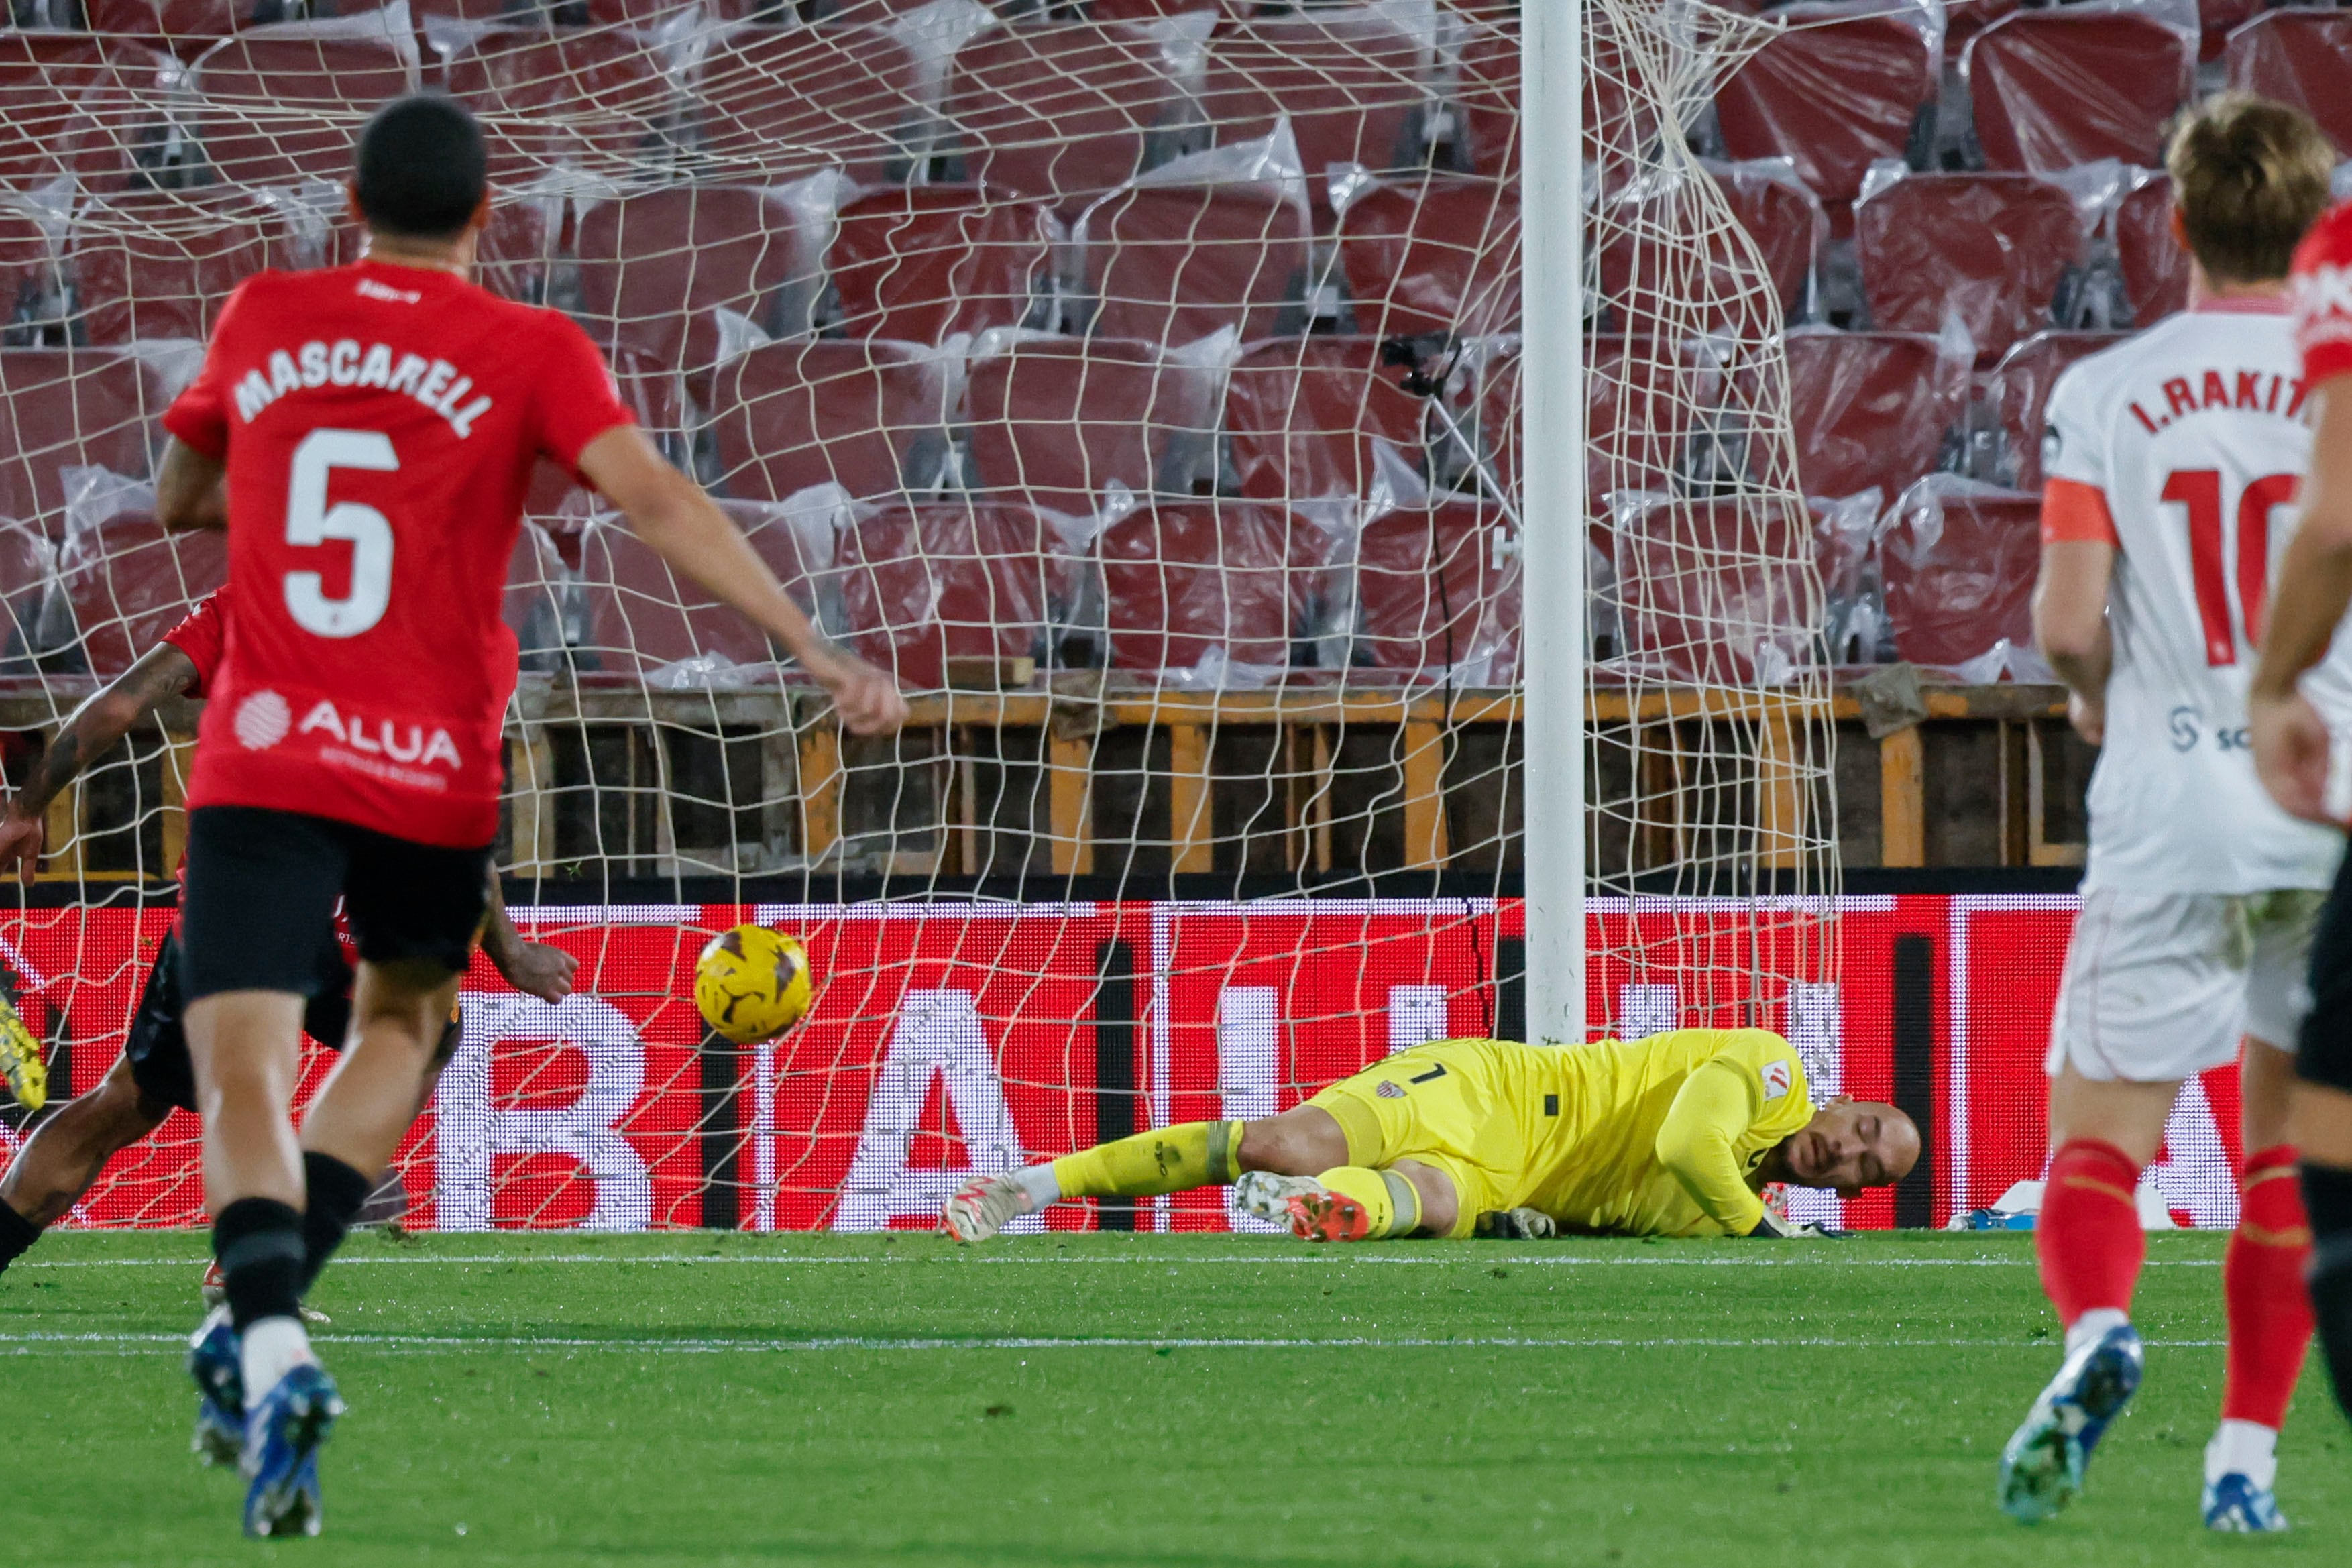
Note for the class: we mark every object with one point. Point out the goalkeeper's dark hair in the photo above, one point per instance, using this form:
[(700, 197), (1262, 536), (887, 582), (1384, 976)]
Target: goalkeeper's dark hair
[(2249, 177), (421, 169)]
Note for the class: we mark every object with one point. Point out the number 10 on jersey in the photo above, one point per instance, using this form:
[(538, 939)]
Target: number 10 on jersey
[(2198, 492)]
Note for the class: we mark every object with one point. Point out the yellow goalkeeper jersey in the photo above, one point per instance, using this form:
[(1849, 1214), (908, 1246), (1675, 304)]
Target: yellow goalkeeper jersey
[(1660, 1136)]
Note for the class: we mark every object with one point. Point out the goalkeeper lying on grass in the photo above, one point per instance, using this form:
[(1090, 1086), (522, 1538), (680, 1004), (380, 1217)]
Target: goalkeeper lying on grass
[(1667, 1136)]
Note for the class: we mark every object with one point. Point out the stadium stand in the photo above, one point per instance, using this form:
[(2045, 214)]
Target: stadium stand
[(1687, 613), (2020, 386), (1071, 110), (1352, 85), (62, 408), (1853, 87), (128, 581), (317, 78), (925, 583), (1209, 592), (28, 566), (2058, 88), (777, 103), (1769, 206), (2302, 57), (31, 289), (642, 626), (1172, 264), (864, 414), (1958, 562), (93, 107), (160, 264), (653, 267), (1432, 256), (1303, 416), (925, 262), (1437, 597), (1989, 251), (600, 101), (1871, 410), (1061, 422)]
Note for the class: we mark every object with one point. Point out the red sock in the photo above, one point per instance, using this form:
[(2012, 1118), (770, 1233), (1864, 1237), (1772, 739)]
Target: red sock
[(2088, 1236), (2262, 1277)]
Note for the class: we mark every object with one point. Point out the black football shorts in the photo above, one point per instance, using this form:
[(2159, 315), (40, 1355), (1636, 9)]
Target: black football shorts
[(263, 884), (2324, 1055), (157, 1046)]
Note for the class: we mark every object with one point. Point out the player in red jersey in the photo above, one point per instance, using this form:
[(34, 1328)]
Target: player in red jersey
[(2292, 749), (63, 1158), (366, 434)]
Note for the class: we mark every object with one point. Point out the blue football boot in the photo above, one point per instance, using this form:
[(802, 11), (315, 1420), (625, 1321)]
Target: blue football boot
[(281, 1445), (214, 1363), (2236, 1506), (2041, 1466)]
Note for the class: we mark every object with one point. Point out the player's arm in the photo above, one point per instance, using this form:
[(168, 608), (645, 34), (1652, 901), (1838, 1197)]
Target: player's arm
[(163, 671), (671, 514), (2314, 584), (533, 968), (2070, 600), (1698, 1144), (188, 489)]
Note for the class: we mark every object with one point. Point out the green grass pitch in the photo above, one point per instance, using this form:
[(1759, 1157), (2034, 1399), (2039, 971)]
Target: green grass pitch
[(1115, 1402)]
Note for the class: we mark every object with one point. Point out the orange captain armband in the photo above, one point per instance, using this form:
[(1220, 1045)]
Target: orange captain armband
[(2075, 512)]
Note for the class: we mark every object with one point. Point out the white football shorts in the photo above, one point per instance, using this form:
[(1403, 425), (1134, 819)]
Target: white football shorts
[(2161, 986)]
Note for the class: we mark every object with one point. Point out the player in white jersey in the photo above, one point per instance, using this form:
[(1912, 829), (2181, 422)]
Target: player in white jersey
[(2171, 464)]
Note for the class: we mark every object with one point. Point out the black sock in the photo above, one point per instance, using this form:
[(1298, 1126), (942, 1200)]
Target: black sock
[(336, 1195), (2328, 1198), (17, 1233), (260, 1244)]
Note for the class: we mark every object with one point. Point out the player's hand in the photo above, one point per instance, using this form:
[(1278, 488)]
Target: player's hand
[(866, 700), (2290, 747), (21, 840), (2089, 718), (1771, 1228), (537, 970)]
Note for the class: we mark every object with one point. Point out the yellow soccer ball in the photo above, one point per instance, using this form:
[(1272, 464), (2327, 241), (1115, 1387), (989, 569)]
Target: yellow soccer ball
[(752, 984)]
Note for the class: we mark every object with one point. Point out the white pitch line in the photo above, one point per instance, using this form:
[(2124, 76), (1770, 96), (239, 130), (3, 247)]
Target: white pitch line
[(1313, 1258), (136, 1344)]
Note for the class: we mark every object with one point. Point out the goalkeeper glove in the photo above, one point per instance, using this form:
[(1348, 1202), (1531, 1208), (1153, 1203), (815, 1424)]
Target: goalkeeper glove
[(1774, 1229), (1517, 1224)]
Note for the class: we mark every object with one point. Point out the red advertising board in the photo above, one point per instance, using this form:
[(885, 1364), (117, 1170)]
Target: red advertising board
[(952, 1037)]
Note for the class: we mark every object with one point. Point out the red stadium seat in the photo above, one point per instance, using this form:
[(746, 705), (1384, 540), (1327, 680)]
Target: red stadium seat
[(2059, 87), (2299, 57), (1440, 255), (278, 105), (161, 264), (868, 415), (28, 569), (1171, 264), (1619, 125), (1849, 86), (1991, 249), (772, 101), (1648, 410), (63, 408), (2154, 265), (1964, 19), (1354, 86), (31, 292), (921, 263), (970, 577), (2217, 19), (1304, 413), (599, 101), (656, 396), (1059, 420), (646, 622), (129, 582), (96, 108), (1715, 591), (1958, 562), (1437, 596), (1644, 281), (2021, 384), (653, 266), (1066, 111), (1869, 409), (1183, 578)]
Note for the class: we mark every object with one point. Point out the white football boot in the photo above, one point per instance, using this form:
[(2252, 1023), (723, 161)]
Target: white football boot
[(985, 1206)]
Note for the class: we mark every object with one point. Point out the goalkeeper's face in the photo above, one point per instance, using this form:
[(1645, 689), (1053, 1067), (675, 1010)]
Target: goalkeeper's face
[(1850, 1144)]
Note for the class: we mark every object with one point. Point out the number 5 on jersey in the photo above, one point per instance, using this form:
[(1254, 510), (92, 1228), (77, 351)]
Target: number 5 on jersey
[(310, 520), (2199, 490)]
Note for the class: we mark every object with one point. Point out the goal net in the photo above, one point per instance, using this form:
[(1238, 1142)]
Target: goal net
[(1140, 380)]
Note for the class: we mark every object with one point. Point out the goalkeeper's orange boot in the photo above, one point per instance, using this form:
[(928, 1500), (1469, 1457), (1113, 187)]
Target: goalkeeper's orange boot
[(1325, 1216), (20, 1060)]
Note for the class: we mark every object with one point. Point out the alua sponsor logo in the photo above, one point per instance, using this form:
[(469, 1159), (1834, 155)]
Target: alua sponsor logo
[(383, 737)]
